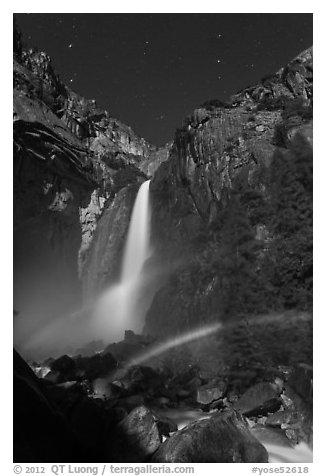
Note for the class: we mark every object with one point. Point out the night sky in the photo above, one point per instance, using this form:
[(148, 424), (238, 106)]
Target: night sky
[(152, 70)]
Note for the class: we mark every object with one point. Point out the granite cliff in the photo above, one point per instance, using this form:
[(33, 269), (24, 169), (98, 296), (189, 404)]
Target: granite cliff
[(72, 162), (232, 206)]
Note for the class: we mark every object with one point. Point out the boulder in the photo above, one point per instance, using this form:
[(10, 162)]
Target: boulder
[(210, 392), (62, 369), (63, 364), (260, 399), (53, 377), (302, 429), (281, 418), (125, 350), (135, 438), (139, 378), (66, 395), (103, 388), (301, 380), (222, 438), (91, 368)]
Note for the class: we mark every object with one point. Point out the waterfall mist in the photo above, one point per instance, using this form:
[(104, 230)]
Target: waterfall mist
[(120, 307)]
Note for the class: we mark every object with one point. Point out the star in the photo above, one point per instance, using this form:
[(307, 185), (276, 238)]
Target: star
[(219, 35), (218, 60), (70, 46)]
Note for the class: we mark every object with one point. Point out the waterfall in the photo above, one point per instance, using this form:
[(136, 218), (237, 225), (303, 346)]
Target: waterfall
[(137, 245), (120, 307)]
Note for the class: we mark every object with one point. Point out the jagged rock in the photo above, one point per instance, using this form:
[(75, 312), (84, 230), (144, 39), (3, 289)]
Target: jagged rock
[(53, 377), (222, 438), (301, 380), (136, 437), (302, 429), (66, 395), (138, 339), (139, 378), (41, 433), (98, 365), (132, 344), (103, 388), (281, 418), (259, 400), (210, 392), (65, 365)]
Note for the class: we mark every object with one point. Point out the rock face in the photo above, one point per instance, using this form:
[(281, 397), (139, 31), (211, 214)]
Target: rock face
[(71, 160), (222, 438), (102, 265), (225, 217), (41, 434)]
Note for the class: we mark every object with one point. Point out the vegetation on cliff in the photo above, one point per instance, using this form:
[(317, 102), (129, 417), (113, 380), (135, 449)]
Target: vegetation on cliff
[(236, 197)]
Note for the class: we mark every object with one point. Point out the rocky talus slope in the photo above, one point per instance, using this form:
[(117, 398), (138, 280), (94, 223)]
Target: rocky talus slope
[(232, 206)]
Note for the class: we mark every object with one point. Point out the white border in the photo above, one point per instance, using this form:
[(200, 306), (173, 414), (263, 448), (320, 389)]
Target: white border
[(6, 189)]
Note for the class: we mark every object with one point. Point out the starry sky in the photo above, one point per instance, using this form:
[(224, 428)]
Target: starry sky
[(152, 70)]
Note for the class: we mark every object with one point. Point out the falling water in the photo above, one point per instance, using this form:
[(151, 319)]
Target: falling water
[(137, 245), (119, 307)]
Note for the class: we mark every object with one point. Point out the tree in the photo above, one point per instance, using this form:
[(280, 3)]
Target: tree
[(17, 44), (238, 261), (291, 223)]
